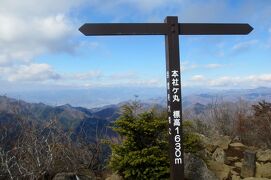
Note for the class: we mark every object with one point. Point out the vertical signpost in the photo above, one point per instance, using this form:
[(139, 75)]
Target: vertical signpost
[(174, 105), (171, 29)]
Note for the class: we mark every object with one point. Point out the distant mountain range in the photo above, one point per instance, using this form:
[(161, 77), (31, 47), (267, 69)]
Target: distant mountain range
[(99, 97), (217, 96), (72, 118), (76, 118), (234, 95), (89, 98)]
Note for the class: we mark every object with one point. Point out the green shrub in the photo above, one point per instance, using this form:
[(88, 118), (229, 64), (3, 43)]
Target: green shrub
[(143, 153), (192, 141)]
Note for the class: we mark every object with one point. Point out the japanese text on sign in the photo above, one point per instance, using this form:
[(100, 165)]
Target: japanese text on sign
[(175, 117)]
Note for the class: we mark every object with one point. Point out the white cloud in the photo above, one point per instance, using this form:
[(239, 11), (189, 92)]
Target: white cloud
[(198, 78), (23, 39), (31, 8), (149, 5), (186, 66), (231, 81), (32, 72), (4, 60), (243, 46), (260, 78), (85, 75), (31, 28), (96, 78), (213, 66), (153, 82), (142, 6), (225, 81), (124, 75)]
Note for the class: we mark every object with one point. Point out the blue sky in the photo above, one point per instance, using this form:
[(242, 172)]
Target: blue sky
[(41, 47)]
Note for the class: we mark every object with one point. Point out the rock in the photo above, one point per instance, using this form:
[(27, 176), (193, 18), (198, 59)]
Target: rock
[(204, 154), (236, 150), (196, 169), (235, 177), (73, 176), (233, 172), (223, 142), (264, 156), (114, 177), (236, 139), (219, 141), (219, 155), (86, 174), (263, 170), (222, 171), (65, 176), (208, 145), (254, 178), (237, 145), (248, 166), (238, 164), (232, 159)]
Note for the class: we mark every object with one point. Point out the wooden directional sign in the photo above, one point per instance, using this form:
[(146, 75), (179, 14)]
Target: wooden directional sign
[(171, 29), (101, 29)]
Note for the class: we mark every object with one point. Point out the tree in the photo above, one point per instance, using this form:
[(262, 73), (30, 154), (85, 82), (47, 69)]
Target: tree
[(144, 151), (42, 149), (141, 155)]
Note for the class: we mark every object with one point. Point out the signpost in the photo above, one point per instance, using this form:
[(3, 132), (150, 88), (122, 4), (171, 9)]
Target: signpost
[(171, 29)]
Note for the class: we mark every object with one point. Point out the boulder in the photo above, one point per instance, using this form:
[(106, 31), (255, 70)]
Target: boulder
[(212, 143), (65, 176), (219, 155), (205, 154), (73, 176), (235, 177), (196, 169), (264, 156), (233, 172), (231, 160), (114, 177), (236, 150), (249, 164), (222, 171), (238, 164), (255, 178), (86, 174), (263, 170), (208, 144), (223, 142), (237, 146)]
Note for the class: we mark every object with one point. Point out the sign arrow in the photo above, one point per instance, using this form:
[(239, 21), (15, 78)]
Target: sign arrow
[(102, 29), (214, 29)]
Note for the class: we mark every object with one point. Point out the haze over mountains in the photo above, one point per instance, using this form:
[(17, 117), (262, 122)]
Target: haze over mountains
[(70, 118), (98, 97), (75, 116)]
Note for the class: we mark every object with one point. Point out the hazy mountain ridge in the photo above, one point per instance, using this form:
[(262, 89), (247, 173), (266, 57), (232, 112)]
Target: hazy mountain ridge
[(101, 117), (74, 118), (251, 95), (104, 97)]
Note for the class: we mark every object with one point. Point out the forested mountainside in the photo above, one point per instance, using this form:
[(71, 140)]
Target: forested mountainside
[(38, 140), (70, 118)]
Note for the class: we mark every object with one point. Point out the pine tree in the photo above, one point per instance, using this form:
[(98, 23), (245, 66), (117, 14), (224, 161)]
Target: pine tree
[(143, 152)]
